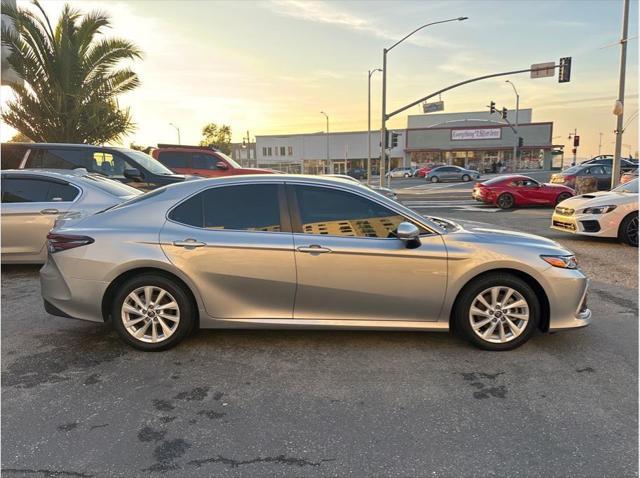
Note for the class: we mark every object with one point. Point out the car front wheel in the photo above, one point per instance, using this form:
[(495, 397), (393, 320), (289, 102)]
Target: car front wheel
[(629, 230), (152, 312), (497, 312), (435, 179)]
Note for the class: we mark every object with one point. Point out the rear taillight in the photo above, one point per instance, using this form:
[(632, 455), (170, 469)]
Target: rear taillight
[(64, 242)]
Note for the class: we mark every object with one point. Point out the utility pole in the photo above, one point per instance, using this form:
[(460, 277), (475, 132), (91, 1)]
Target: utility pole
[(517, 138), (600, 145), (371, 72), (615, 173), (247, 142), (326, 168)]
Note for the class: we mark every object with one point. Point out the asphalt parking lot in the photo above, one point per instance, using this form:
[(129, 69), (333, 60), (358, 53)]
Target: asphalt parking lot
[(78, 403)]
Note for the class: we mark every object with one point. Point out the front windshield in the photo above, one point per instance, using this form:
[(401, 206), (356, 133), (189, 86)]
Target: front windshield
[(147, 162), (630, 187), (228, 159)]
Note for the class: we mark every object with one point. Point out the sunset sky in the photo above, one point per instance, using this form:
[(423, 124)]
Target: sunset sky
[(272, 66)]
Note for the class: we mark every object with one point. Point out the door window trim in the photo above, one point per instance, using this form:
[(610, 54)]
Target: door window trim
[(296, 222), (285, 217)]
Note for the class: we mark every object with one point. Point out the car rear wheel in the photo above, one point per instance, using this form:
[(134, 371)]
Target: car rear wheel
[(152, 312), (628, 232), (497, 312), (466, 178), (435, 179), (506, 201), (562, 197)]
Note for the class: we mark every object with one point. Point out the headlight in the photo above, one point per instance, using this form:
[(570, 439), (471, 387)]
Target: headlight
[(599, 209), (564, 262)]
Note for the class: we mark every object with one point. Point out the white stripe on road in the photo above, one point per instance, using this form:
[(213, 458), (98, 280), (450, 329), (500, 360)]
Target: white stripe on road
[(432, 187)]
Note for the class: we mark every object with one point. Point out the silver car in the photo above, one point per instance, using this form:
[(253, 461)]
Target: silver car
[(390, 193), (451, 173), (267, 251), (32, 200)]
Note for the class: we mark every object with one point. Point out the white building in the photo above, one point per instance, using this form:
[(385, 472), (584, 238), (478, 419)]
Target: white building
[(307, 153)]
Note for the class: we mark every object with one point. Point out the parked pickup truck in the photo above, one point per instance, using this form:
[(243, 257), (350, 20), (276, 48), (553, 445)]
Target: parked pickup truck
[(205, 161)]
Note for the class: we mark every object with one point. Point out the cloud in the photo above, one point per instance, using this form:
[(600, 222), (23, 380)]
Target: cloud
[(329, 13)]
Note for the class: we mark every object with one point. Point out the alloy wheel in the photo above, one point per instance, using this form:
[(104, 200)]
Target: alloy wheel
[(632, 231), (150, 314), (505, 201), (499, 314)]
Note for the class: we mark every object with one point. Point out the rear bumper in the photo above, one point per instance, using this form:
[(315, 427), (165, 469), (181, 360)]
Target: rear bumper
[(69, 297)]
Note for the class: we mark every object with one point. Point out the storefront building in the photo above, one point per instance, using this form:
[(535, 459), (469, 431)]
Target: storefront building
[(476, 140)]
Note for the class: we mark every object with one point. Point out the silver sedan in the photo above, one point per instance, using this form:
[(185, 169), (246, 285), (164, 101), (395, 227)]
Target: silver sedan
[(308, 252), (32, 201), (451, 173)]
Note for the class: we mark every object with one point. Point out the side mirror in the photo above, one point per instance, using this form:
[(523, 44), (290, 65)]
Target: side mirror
[(408, 233), (133, 174), (222, 165)]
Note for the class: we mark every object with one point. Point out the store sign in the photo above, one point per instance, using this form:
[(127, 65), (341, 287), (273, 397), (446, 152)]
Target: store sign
[(475, 133)]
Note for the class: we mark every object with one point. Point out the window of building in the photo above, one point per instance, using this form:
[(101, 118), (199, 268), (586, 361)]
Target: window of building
[(290, 150), (264, 151), (282, 151), (269, 151), (339, 213), (251, 207)]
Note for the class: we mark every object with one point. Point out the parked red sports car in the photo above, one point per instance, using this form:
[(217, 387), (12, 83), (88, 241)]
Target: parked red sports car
[(510, 191)]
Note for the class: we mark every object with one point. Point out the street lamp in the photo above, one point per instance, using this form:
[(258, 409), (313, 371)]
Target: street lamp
[(371, 72), (515, 144), (328, 162), (383, 131), (178, 130)]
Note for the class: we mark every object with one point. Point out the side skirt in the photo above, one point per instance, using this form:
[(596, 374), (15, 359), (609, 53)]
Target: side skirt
[(211, 323)]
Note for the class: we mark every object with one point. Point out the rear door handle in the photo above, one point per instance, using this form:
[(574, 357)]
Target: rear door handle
[(50, 211), (189, 243), (313, 249)]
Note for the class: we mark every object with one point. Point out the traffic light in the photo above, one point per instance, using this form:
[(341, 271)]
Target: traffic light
[(564, 73), (576, 141), (394, 139), (504, 113), (520, 142), (492, 107)]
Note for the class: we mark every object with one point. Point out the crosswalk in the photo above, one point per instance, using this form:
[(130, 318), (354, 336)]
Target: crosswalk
[(464, 205)]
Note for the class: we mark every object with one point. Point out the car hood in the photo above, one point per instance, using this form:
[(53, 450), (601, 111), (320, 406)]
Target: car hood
[(601, 198), (485, 233)]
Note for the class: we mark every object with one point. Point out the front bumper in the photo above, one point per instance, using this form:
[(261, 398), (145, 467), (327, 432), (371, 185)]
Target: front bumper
[(584, 224), (567, 293)]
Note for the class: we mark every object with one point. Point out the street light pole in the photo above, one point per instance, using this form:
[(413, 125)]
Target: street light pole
[(615, 173), (383, 129), (178, 130), (600, 145), (371, 72), (515, 143), (328, 162)]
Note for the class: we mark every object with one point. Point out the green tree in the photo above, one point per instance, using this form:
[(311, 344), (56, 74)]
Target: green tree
[(218, 136), (71, 76), (20, 138)]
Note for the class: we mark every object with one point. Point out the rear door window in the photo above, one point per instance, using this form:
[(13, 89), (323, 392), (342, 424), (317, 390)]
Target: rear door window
[(12, 155), (175, 159), (204, 161), (26, 190), (59, 158)]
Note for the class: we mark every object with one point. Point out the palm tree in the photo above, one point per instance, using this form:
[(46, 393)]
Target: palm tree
[(71, 76)]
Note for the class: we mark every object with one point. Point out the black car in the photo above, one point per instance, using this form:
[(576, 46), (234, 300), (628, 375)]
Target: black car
[(123, 164), (357, 173), (625, 164)]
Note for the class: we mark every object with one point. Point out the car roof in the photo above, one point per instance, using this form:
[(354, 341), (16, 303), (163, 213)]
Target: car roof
[(70, 145), (53, 173)]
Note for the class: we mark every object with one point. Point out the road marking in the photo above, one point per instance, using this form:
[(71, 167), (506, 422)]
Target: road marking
[(432, 187)]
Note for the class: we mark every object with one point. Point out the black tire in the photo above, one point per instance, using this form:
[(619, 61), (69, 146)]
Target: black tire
[(435, 179), (628, 232), (466, 178), (563, 196), (506, 201), (185, 307), (461, 321)]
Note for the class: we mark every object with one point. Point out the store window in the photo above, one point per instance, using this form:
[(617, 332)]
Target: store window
[(290, 150)]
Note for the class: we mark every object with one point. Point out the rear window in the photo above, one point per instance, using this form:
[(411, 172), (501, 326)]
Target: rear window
[(112, 187), (498, 180), (137, 199)]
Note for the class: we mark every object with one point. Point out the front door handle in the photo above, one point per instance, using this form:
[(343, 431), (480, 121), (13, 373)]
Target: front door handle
[(50, 211), (189, 243), (313, 249)]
